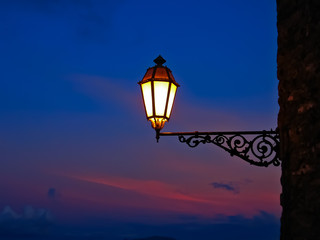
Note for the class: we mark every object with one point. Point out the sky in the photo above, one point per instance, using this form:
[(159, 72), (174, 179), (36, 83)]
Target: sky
[(78, 158)]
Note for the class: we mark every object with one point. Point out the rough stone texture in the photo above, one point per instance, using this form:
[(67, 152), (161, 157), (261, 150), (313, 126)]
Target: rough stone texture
[(299, 117)]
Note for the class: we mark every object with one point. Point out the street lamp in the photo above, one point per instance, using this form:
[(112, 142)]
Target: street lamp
[(158, 88)]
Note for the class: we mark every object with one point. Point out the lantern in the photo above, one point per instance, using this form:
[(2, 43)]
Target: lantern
[(158, 89)]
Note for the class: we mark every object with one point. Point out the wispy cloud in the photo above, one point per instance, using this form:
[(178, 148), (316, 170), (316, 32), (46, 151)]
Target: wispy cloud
[(146, 187), (231, 186), (114, 91), (32, 222)]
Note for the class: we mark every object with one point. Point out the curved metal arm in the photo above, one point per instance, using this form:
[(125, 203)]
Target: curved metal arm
[(259, 148)]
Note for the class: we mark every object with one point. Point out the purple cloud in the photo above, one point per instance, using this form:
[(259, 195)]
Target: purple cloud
[(232, 187)]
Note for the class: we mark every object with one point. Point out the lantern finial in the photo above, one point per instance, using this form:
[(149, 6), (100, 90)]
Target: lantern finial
[(159, 60)]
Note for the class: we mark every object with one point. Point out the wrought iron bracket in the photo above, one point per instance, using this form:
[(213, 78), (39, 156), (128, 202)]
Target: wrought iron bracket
[(259, 148)]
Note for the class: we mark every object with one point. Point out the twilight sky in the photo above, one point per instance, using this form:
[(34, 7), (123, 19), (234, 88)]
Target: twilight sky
[(79, 159)]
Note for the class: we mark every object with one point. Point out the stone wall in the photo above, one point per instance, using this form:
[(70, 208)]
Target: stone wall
[(299, 117)]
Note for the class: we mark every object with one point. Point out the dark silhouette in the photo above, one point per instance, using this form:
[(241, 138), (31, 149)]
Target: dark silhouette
[(299, 117)]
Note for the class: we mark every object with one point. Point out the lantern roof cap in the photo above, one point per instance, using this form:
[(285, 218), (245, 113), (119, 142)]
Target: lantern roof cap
[(159, 72)]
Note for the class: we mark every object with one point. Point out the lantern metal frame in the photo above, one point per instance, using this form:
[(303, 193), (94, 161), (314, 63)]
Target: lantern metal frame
[(258, 148)]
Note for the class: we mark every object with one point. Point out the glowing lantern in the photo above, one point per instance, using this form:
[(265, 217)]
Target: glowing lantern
[(158, 89)]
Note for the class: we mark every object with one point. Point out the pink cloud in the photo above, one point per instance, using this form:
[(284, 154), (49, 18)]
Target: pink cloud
[(146, 187), (161, 196)]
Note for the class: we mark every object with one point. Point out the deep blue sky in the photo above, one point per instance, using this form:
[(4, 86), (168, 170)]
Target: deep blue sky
[(78, 158)]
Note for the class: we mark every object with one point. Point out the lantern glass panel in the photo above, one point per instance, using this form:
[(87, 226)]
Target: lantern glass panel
[(173, 90), (147, 97), (160, 97)]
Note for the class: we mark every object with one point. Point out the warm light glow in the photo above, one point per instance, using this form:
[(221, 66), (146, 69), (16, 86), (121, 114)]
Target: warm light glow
[(160, 96), (173, 90), (147, 97), (157, 123)]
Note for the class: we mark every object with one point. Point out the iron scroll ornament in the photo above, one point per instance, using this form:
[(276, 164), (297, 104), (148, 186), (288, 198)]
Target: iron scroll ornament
[(259, 148)]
